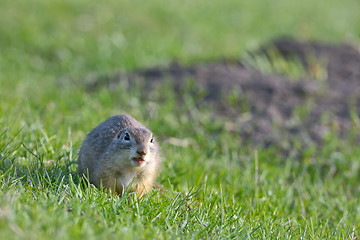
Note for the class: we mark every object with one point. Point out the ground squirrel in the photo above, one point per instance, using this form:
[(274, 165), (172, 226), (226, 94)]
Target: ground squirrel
[(117, 152)]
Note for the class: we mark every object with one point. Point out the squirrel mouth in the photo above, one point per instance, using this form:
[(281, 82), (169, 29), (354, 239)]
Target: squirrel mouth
[(139, 161)]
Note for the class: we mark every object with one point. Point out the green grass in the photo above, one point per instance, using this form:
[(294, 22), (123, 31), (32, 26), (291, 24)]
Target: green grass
[(274, 62), (218, 185)]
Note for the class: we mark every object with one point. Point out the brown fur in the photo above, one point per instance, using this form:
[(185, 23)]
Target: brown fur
[(108, 158)]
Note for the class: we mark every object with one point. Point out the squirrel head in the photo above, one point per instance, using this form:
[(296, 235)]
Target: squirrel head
[(134, 147)]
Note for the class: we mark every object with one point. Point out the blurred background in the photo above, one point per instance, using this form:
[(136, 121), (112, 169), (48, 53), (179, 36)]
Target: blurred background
[(83, 36), (43, 42), (65, 66)]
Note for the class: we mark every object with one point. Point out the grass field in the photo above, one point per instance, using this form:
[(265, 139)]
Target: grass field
[(216, 186)]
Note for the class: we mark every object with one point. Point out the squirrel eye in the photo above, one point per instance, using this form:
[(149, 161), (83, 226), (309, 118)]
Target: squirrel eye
[(151, 140), (127, 137)]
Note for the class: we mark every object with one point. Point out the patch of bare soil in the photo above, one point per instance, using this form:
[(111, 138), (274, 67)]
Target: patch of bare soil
[(271, 109)]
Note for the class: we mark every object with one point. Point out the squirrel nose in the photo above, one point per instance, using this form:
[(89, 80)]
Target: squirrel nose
[(141, 152)]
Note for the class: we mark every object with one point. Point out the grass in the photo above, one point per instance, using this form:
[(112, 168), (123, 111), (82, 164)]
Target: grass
[(218, 185), (274, 62)]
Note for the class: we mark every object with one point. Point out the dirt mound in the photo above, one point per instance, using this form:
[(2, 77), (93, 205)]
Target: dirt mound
[(277, 109)]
